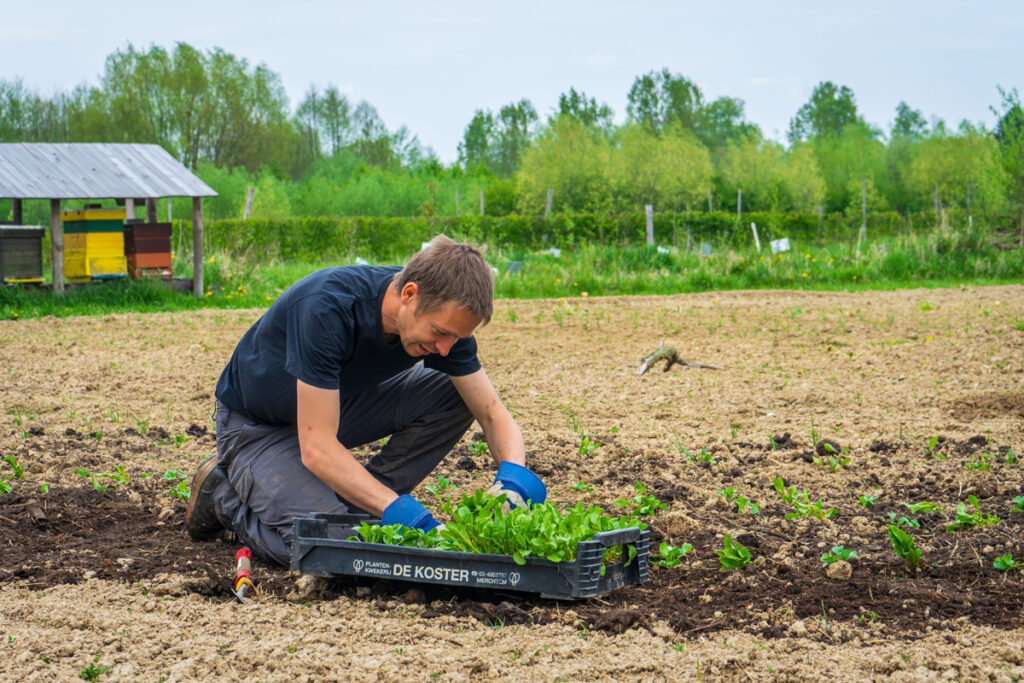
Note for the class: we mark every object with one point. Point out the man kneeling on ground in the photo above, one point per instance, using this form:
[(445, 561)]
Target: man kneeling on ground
[(335, 363)]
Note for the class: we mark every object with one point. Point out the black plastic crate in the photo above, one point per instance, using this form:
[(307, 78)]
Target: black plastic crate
[(314, 553)]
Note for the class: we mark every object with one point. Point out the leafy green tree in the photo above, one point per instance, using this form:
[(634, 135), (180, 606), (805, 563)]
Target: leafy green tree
[(475, 148), (855, 154), (909, 123), (668, 170), (722, 121), (660, 98), (905, 136), (948, 163), (570, 159), (1010, 136), (828, 113), (588, 111), (771, 178)]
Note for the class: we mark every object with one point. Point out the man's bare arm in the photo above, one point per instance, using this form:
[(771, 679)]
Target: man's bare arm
[(319, 413), (504, 438)]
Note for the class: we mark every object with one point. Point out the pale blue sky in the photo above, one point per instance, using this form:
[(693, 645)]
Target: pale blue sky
[(429, 65)]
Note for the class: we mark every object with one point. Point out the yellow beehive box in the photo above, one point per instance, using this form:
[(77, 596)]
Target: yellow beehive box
[(93, 215), (94, 255)]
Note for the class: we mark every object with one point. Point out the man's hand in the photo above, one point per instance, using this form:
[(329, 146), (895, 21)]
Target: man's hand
[(520, 485), (408, 512)]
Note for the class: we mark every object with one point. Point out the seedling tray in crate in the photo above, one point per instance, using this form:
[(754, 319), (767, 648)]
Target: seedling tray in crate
[(313, 552)]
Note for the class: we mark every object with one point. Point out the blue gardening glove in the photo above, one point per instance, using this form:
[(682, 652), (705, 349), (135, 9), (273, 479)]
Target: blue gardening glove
[(408, 512), (520, 485)]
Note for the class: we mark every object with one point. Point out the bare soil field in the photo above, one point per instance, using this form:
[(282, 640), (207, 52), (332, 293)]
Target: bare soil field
[(921, 390)]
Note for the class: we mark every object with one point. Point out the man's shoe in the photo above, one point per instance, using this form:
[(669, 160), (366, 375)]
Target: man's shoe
[(201, 519)]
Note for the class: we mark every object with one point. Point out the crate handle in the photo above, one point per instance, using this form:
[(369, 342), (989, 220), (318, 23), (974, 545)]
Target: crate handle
[(617, 537)]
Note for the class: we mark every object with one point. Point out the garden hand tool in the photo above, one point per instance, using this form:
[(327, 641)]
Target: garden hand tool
[(243, 579)]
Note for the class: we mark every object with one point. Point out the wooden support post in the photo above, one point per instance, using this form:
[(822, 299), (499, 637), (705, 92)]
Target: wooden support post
[(547, 205), (151, 212), (481, 202), (649, 212), (710, 209), (129, 208), (197, 247), (739, 204), (864, 208), (170, 212), (456, 202), (16, 211), (56, 248), (757, 239), (248, 203)]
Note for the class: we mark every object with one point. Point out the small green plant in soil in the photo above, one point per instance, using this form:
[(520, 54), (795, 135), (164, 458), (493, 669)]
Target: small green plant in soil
[(5, 486), (833, 462), (982, 463), (1018, 504), (904, 521), (643, 505), (93, 672), (929, 449), (669, 556), (904, 546), (582, 486), (802, 503), (866, 501), (733, 555), (19, 471), (478, 448), (742, 504), (1006, 563), (117, 478), (1011, 459), (838, 553), (966, 520), (923, 507)]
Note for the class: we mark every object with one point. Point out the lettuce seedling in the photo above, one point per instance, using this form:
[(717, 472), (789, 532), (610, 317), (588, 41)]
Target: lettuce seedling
[(742, 504), (903, 545), (582, 486), (5, 486), (838, 553), (1006, 563), (866, 501), (904, 521), (643, 505), (733, 555), (802, 503), (966, 520), (923, 506), (1018, 504), (671, 555)]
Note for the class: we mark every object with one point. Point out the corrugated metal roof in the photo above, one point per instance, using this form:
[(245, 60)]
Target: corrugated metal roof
[(80, 170)]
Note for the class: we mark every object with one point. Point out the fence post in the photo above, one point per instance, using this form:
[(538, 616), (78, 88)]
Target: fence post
[(710, 210), (481, 202), (547, 205), (56, 248), (863, 209), (649, 210), (739, 204), (456, 202), (248, 203), (757, 241)]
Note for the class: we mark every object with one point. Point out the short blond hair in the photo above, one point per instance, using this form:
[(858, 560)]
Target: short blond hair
[(450, 271)]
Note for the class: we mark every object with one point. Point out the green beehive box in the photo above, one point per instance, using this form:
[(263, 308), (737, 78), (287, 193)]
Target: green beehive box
[(21, 253)]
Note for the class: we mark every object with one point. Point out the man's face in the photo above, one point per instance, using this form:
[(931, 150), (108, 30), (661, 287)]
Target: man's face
[(433, 332)]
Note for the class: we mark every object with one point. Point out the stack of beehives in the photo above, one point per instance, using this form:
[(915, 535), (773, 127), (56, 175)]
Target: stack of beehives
[(147, 247)]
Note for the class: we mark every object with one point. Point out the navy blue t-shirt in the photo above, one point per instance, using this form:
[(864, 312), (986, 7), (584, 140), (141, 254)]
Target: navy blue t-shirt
[(326, 330)]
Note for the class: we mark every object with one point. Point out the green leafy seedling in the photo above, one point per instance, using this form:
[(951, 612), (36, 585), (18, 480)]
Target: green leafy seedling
[(478, 448), (866, 501), (923, 506), (670, 555), (733, 555), (1018, 504), (929, 449), (904, 521), (982, 463), (904, 546), (582, 486), (643, 504), (838, 553), (182, 491), (1011, 459), (1006, 563), (802, 503), (19, 471), (966, 520), (5, 486), (588, 445)]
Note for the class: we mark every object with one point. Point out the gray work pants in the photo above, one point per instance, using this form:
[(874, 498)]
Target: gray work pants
[(268, 486)]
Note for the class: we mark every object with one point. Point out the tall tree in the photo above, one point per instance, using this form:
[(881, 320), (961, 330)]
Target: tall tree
[(658, 99), (512, 135), (1010, 136), (570, 159), (909, 123), (587, 111), (475, 148), (829, 111)]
